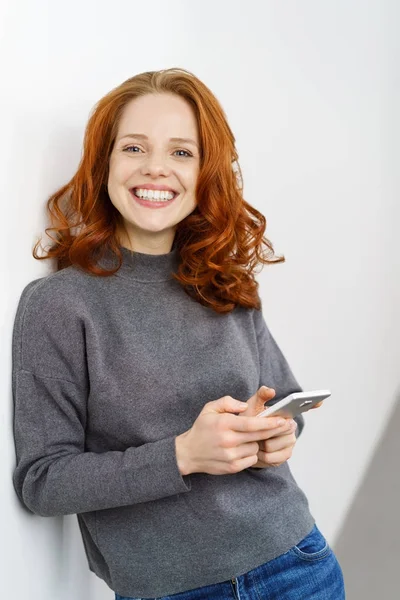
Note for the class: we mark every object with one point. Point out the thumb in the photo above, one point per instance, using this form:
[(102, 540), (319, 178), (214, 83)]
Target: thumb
[(225, 404), (265, 392), (263, 395)]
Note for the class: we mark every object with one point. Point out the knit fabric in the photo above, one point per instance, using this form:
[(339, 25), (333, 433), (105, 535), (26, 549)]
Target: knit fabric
[(107, 372)]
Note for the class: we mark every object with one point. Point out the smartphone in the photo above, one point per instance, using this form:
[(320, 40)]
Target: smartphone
[(294, 404)]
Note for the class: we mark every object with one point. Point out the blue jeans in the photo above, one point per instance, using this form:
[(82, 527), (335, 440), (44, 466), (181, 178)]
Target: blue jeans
[(308, 571)]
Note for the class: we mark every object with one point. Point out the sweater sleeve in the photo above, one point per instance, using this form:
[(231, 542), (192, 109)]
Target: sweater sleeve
[(54, 475), (275, 371)]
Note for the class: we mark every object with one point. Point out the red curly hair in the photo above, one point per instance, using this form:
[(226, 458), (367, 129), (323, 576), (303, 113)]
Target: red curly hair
[(219, 243)]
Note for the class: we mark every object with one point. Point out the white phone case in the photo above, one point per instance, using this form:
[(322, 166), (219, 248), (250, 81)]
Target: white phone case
[(295, 403)]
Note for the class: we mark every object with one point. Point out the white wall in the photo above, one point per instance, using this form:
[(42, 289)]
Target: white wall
[(310, 92)]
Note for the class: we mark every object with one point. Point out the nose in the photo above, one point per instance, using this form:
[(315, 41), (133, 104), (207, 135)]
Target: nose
[(155, 165)]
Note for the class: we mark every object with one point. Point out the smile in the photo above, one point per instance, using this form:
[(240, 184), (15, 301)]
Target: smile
[(153, 202)]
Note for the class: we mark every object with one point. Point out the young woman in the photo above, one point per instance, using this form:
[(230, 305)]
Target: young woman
[(140, 363)]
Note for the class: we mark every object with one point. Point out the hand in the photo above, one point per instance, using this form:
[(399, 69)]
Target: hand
[(278, 448), (219, 443)]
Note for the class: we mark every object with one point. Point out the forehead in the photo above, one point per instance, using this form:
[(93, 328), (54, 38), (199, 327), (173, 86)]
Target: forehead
[(155, 114)]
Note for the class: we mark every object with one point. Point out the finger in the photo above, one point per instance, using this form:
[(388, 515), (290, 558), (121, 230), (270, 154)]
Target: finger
[(289, 426), (274, 459), (248, 424), (278, 443), (277, 432), (317, 405)]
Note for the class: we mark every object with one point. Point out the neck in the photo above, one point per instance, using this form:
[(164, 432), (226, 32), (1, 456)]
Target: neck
[(144, 267)]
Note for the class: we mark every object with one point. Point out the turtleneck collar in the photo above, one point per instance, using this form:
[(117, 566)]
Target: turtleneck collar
[(144, 267)]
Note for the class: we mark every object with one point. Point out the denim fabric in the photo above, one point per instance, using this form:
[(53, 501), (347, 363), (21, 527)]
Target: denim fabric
[(308, 571)]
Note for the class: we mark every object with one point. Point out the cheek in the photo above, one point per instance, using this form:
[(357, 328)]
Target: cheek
[(120, 172), (191, 183), (191, 176)]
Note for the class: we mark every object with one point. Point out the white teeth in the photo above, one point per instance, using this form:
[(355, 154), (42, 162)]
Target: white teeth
[(160, 196)]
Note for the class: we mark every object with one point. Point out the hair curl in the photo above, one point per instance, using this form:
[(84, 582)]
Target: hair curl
[(219, 243)]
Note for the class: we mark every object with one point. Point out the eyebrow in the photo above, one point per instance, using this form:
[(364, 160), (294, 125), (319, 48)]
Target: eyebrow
[(173, 139)]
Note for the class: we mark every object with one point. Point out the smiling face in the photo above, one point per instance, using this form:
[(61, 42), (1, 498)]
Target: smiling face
[(144, 153)]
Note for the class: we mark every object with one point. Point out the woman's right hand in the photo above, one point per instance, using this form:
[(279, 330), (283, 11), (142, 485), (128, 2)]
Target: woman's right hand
[(220, 443)]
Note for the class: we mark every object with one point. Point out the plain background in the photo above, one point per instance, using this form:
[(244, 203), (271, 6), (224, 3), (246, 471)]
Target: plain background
[(311, 92)]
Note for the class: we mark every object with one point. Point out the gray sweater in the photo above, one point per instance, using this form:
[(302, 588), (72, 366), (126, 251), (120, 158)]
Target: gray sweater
[(107, 371)]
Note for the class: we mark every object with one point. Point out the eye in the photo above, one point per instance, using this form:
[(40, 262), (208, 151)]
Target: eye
[(185, 151), (131, 147), (188, 153)]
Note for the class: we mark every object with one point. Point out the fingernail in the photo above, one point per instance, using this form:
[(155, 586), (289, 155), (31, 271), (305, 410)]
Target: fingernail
[(281, 422)]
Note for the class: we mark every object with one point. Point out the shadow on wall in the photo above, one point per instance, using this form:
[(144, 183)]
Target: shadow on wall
[(368, 545)]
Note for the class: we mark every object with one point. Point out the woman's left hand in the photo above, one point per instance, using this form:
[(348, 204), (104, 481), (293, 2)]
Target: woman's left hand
[(277, 449)]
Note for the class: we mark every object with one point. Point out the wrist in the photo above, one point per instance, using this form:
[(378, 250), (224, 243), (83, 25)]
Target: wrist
[(182, 454)]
